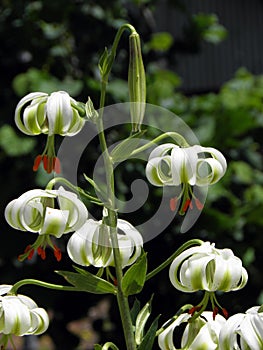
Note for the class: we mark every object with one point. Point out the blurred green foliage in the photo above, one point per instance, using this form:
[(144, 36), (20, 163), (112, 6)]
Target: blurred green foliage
[(55, 45)]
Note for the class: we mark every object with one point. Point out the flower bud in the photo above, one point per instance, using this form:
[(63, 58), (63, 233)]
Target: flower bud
[(136, 83), (201, 333), (92, 245), (206, 268)]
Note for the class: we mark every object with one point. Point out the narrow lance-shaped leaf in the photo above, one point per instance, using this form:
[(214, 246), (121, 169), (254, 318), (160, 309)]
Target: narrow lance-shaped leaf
[(141, 321), (148, 339), (124, 149), (135, 310), (87, 282)]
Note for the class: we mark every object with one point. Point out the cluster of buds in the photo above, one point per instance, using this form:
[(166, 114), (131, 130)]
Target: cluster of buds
[(92, 244), (171, 165), (36, 211), (54, 114), (19, 315)]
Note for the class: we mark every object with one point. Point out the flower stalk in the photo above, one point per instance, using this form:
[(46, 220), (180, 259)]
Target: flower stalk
[(111, 218)]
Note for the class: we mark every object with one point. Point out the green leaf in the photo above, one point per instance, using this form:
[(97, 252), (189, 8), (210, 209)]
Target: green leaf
[(135, 310), (141, 321), (124, 149), (134, 278), (148, 340), (86, 282), (14, 145)]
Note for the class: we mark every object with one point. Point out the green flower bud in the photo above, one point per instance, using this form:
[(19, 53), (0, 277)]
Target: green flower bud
[(136, 82)]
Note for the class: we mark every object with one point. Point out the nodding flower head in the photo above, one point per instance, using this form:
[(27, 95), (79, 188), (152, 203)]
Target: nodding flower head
[(207, 268), (37, 211), (243, 331), (19, 315), (92, 244), (201, 333), (54, 114), (171, 165)]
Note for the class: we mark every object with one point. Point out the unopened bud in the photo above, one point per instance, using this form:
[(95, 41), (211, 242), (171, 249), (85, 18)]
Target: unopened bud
[(136, 82)]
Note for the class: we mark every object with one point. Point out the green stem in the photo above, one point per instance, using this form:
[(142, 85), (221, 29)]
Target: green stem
[(179, 139), (168, 261), (31, 281), (111, 217)]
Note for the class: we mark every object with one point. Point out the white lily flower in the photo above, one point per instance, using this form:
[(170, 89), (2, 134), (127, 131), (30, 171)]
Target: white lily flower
[(207, 268), (171, 165), (20, 315), (243, 331), (201, 333), (54, 114), (92, 245), (35, 211)]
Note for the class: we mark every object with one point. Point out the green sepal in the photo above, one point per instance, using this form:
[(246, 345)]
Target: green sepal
[(135, 310), (148, 339), (141, 320), (124, 149), (97, 347), (134, 278), (86, 282)]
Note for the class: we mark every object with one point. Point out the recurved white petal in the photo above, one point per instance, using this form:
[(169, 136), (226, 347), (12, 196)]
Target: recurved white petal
[(55, 222), (162, 150), (59, 113), (39, 321), (165, 338), (40, 97), (183, 165), (17, 319)]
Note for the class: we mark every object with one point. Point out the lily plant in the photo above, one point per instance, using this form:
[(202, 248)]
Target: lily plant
[(113, 246)]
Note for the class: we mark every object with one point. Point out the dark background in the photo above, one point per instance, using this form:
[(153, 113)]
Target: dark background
[(203, 61)]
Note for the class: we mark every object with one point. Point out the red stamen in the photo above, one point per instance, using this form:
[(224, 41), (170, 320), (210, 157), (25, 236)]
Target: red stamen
[(41, 252), (187, 204), (173, 203), (37, 162), (57, 253), (225, 312), (29, 251), (194, 309), (215, 312), (198, 204), (45, 162), (56, 165)]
